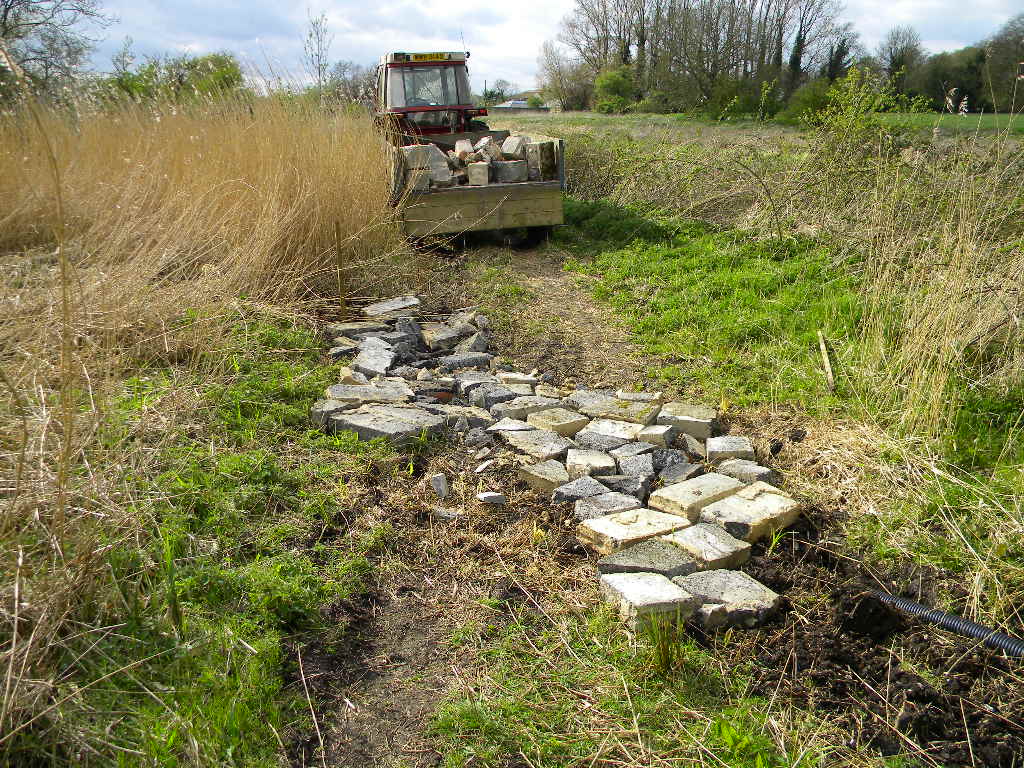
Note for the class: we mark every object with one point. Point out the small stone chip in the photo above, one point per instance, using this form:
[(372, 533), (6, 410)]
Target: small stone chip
[(564, 422), (520, 389), (749, 471), (729, 598), (653, 556), (490, 497), (689, 497), (465, 360), (753, 512), (581, 488), (640, 397), (469, 380), (512, 377), (584, 462), (696, 420), (710, 546), (729, 447), (620, 529), (642, 597), (440, 485), (544, 477), (604, 504)]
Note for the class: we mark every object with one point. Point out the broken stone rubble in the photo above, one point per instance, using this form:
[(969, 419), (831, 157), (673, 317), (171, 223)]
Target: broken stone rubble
[(643, 450)]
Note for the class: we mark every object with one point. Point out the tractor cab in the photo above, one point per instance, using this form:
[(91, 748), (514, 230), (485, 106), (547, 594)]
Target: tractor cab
[(427, 93)]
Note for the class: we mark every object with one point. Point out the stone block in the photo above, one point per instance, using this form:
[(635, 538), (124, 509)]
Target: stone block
[(375, 358), (417, 180), (596, 441), (514, 147), (542, 161), (547, 390), (488, 148), (694, 448), (478, 174), (387, 391), (489, 395), (544, 477), (613, 532), (729, 598), (538, 443), (677, 473), (711, 546), (638, 486), (467, 381), (632, 449), (689, 497), (510, 425), (521, 407), (641, 397), (666, 457), (620, 430), (644, 597), (650, 556), (581, 462), (354, 329), (322, 410), (397, 424), (348, 376), (581, 488), (599, 404), (659, 434), (478, 342), (565, 423), (509, 171), (522, 390), (343, 347), (748, 471), (424, 156), (604, 504), (475, 418), (753, 512), (465, 360), (729, 447), (696, 420), (640, 466), (399, 306), (491, 497), (438, 336), (463, 146), (514, 377)]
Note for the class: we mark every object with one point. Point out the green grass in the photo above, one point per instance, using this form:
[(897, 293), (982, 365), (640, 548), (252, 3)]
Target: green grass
[(734, 318), (581, 691), (1013, 125), (241, 549)]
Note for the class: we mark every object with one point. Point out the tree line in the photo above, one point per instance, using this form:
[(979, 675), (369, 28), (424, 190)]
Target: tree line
[(757, 57)]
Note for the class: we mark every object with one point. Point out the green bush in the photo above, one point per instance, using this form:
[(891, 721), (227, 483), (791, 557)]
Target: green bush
[(615, 105), (809, 98), (614, 90)]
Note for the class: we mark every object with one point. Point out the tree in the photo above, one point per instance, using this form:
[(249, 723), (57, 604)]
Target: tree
[(614, 90), (843, 49), (316, 50), (352, 82), (502, 90), (899, 54), (45, 37), (179, 79), (567, 81), (1005, 54)]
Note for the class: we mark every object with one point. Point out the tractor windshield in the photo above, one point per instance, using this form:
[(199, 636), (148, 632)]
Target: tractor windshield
[(428, 86)]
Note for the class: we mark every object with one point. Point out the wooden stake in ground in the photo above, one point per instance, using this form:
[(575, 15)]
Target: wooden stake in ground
[(828, 363)]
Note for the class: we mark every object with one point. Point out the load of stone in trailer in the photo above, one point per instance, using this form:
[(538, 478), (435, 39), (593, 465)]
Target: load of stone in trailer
[(516, 160)]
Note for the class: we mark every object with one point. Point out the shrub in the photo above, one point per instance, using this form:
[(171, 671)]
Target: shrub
[(806, 100), (614, 90)]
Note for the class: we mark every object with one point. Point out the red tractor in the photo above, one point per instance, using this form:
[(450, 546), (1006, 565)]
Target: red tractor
[(428, 95)]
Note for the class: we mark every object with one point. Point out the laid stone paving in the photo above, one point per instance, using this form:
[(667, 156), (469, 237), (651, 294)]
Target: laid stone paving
[(670, 504)]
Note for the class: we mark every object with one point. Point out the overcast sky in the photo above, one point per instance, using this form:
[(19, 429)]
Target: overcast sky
[(504, 38)]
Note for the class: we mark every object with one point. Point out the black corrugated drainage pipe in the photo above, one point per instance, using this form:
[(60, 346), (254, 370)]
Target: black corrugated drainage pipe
[(954, 623)]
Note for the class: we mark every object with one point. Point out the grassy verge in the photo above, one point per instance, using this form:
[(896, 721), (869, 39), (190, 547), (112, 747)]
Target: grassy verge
[(237, 541)]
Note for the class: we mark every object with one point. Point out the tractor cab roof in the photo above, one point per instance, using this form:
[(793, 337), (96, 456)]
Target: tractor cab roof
[(446, 57)]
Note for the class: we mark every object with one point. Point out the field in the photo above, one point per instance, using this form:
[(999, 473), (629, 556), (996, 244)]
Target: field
[(199, 577)]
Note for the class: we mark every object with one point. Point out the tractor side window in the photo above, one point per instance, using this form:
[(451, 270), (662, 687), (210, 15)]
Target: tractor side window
[(430, 86)]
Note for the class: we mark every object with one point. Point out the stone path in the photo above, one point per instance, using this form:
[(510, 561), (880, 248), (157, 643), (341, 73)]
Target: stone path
[(670, 504)]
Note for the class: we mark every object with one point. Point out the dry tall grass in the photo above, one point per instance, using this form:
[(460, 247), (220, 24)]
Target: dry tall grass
[(163, 217)]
